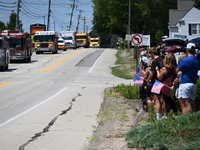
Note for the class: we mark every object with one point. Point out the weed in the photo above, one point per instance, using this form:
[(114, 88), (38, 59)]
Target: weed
[(92, 139), (104, 113)]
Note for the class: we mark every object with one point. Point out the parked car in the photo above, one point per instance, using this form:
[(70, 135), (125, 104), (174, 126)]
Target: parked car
[(170, 42), (196, 41)]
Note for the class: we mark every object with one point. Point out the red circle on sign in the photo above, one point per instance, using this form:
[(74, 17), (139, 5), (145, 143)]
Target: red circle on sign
[(137, 39)]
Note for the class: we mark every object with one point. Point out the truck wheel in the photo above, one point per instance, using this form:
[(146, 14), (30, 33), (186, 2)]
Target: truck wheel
[(29, 59), (2, 68), (6, 67)]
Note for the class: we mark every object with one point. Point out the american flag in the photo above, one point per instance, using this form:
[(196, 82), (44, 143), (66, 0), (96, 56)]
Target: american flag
[(138, 81), (157, 86), (139, 71)]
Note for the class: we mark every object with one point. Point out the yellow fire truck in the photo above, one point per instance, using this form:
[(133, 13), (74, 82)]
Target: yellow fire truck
[(46, 41), (95, 42), (82, 40)]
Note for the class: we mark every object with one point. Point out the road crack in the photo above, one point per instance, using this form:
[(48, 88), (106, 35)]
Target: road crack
[(50, 124)]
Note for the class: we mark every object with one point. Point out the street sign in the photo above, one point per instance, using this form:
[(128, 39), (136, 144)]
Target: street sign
[(146, 40), (128, 37), (136, 39), (140, 40), (180, 36)]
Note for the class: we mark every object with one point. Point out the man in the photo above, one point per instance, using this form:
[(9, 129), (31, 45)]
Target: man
[(187, 86), (157, 63)]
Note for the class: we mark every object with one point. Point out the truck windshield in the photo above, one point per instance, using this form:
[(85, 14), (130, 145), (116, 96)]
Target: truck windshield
[(67, 38), (94, 40), (81, 37), (44, 38), (60, 41), (16, 42)]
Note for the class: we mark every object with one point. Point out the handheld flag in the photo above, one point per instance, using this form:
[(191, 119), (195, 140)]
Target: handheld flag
[(157, 86), (139, 71), (138, 81)]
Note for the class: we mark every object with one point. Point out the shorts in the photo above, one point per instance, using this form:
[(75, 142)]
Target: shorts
[(187, 90)]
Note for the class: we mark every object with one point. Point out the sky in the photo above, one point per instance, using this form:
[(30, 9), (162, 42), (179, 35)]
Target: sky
[(36, 11)]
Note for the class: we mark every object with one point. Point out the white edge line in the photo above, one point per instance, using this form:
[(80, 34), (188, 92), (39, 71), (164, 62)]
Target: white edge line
[(25, 112), (90, 71)]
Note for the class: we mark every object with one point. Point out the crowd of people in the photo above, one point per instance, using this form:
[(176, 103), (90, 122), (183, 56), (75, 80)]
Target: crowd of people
[(180, 75)]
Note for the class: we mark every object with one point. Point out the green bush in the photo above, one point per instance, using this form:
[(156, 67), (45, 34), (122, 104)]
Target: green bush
[(175, 133), (128, 91), (197, 100)]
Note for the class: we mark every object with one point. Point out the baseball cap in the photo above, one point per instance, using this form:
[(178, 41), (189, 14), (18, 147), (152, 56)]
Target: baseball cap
[(191, 46)]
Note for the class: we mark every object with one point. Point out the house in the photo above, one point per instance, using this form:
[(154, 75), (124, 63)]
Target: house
[(184, 22)]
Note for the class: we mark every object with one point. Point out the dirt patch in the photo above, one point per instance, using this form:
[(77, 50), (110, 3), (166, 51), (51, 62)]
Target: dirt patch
[(116, 117)]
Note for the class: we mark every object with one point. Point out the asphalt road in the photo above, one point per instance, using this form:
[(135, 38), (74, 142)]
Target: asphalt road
[(52, 102)]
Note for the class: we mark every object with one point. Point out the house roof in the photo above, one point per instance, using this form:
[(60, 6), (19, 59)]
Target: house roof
[(176, 14)]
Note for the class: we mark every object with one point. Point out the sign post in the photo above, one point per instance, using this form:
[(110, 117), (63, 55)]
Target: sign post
[(136, 41)]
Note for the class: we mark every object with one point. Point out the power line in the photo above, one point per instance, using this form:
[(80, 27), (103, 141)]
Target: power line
[(7, 6), (8, 3), (29, 11)]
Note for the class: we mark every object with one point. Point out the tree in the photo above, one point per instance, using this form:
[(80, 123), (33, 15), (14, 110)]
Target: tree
[(2, 26), (147, 17), (197, 4), (12, 23)]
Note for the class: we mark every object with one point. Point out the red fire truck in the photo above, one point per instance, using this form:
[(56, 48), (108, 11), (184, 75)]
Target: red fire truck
[(20, 45), (4, 53)]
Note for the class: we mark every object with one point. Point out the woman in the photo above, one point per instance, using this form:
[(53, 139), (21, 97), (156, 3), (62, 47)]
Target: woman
[(167, 75), (148, 86)]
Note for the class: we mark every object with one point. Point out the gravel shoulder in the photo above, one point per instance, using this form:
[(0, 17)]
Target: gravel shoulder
[(121, 116)]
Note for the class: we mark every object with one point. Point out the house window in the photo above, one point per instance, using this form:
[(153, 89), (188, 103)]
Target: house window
[(194, 29)]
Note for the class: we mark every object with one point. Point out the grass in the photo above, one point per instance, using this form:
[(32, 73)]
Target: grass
[(125, 64)]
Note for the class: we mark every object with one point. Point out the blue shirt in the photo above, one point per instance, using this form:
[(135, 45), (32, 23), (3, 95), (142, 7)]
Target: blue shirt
[(189, 67)]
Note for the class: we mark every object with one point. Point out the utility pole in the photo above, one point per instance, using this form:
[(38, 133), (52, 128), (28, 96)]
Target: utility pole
[(84, 19), (49, 12), (79, 16), (129, 23), (70, 22), (17, 15)]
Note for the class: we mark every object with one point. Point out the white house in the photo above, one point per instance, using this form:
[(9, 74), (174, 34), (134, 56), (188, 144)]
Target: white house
[(185, 21)]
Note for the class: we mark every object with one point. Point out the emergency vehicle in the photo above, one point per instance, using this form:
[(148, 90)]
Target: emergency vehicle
[(4, 53), (62, 44), (20, 45), (82, 40), (70, 38), (95, 42), (46, 41)]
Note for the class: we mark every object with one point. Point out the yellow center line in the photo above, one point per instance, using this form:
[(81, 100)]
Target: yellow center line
[(60, 61), (5, 84)]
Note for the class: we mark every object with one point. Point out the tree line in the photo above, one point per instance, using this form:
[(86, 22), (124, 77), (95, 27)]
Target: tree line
[(148, 17), (10, 25)]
